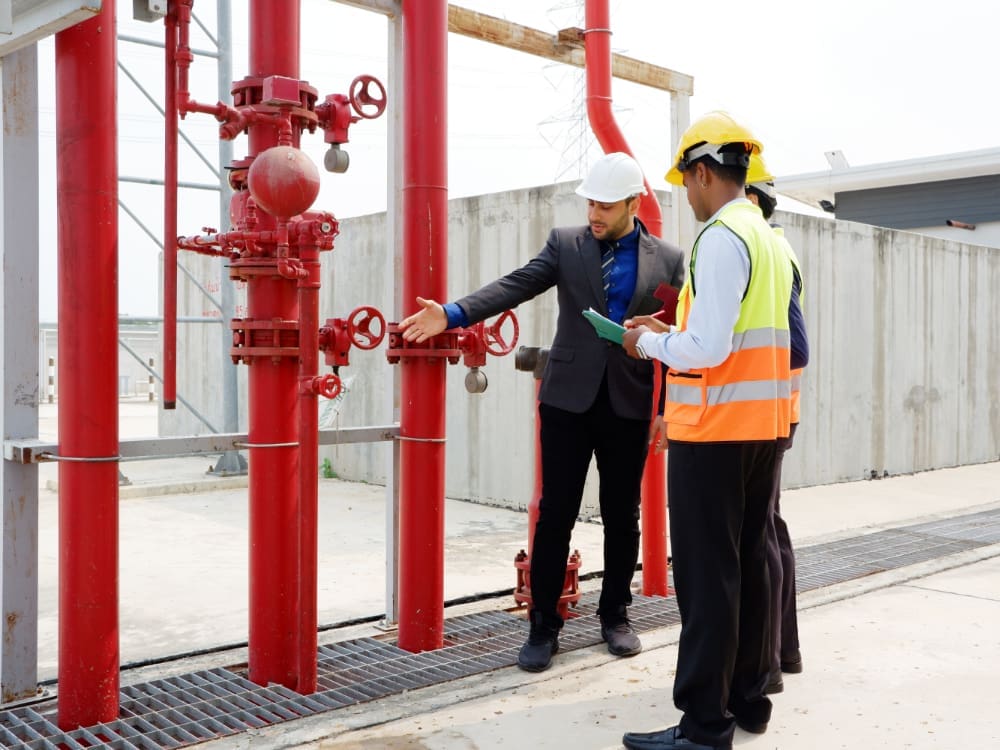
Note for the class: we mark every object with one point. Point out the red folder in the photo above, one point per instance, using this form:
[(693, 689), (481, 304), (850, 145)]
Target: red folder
[(668, 296)]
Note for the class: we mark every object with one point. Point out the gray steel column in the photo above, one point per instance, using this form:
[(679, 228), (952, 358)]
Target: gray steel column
[(393, 292), (233, 462), (19, 371)]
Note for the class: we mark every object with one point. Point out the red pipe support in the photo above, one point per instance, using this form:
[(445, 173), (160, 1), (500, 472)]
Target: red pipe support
[(653, 516), (422, 379), (170, 214), (609, 135), (87, 194)]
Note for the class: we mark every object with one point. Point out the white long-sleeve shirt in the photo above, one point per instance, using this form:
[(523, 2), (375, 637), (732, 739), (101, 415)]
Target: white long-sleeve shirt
[(721, 276)]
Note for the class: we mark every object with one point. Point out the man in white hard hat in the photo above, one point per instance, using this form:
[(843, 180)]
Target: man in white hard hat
[(594, 400)]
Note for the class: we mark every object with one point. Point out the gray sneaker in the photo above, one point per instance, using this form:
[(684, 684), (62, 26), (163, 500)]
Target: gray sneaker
[(621, 638)]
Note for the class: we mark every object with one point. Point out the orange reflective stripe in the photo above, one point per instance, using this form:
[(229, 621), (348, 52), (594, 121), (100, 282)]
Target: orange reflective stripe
[(740, 420)]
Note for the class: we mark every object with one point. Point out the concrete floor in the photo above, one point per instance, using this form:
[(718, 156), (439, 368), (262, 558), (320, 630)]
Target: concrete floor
[(902, 659)]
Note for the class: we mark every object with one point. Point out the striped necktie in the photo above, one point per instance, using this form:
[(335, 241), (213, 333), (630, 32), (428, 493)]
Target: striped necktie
[(607, 262)]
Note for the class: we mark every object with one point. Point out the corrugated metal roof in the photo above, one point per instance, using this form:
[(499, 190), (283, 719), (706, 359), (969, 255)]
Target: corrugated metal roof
[(813, 187)]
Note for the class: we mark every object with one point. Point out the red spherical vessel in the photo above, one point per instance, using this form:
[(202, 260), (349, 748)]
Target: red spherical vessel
[(283, 181)]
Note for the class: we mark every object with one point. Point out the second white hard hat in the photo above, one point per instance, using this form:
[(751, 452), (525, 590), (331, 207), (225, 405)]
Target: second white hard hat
[(614, 177)]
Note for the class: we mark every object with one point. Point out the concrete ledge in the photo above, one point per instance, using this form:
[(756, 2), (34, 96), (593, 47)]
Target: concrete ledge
[(152, 489)]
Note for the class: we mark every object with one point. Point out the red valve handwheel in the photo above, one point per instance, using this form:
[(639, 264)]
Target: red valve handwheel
[(361, 96), (359, 327), (495, 343), (328, 386)]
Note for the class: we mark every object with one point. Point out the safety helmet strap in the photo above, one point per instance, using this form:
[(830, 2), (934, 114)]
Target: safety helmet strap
[(715, 152)]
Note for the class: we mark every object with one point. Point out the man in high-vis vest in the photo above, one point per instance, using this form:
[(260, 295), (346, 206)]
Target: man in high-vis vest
[(728, 402), (785, 653)]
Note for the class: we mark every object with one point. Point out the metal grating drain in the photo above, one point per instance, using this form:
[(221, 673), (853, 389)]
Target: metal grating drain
[(186, 710)]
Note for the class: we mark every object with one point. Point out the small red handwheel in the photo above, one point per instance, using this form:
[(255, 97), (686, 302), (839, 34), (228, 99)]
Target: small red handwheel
[(328, 386), (495, 343), (360, 324), (361, 96)]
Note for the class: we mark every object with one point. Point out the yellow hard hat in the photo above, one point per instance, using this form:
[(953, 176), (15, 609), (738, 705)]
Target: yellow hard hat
[(759, 178), (704, 138)]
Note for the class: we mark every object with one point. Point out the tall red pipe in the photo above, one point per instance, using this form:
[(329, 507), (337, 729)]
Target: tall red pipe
[(653, 517), (87, 194), (308, 471), (170, 213), (273, 404), (605, 127), (422, 379)]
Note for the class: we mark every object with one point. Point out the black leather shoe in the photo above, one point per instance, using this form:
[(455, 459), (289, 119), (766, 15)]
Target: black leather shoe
[(754, 727), (621, 638), (793, 665), (665, 739), (774, 684), (536, 653)]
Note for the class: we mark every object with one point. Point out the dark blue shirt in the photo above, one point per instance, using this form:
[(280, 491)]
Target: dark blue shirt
[(797, 326), (623, 272), (456, 315)]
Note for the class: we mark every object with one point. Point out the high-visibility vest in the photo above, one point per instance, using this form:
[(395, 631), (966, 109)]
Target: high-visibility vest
[(797, 372), (748, 396)]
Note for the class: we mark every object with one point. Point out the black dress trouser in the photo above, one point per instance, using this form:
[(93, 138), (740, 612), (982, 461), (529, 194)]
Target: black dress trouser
[(719, 495), (568, 442)]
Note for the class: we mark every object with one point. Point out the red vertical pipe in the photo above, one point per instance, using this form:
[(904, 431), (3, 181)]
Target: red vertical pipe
[(308, 469), (605, 127), (87, 194), (273, 405), (170, 214), (422, 380), (654, 512)]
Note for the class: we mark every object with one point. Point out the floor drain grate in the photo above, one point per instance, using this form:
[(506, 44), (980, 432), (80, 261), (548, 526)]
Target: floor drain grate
[(186, 710)]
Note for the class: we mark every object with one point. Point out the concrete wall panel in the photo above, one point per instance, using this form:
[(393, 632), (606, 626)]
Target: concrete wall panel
[(905, 348)]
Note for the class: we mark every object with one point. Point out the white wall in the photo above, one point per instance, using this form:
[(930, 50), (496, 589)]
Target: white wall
[(904, 373)]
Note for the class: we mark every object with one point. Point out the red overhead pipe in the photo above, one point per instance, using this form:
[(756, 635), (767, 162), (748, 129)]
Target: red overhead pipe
[(602, 120), (87, 195), (422, 379), (597, 45)]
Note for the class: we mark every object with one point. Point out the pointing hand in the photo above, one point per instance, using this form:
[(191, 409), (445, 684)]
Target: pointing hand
[(426, 323)]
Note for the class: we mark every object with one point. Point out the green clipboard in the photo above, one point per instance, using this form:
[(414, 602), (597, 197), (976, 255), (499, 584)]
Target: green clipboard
[(605, 327)]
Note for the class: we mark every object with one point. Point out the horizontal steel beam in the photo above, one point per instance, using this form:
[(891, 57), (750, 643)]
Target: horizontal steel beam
[(390, 8), (134, 449)]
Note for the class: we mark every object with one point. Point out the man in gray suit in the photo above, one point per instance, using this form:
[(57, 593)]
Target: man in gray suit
[(594, 399)]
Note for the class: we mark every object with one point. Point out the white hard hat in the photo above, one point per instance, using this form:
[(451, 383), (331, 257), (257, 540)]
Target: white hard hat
[(614, 177)]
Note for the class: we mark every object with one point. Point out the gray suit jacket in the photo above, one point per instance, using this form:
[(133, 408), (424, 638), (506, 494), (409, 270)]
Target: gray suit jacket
[(578, 358)]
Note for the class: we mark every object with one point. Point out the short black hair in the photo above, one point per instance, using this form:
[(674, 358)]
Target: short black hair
[(766, 202)]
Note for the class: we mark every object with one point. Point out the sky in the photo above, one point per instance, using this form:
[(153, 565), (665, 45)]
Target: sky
[(879, 80)]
